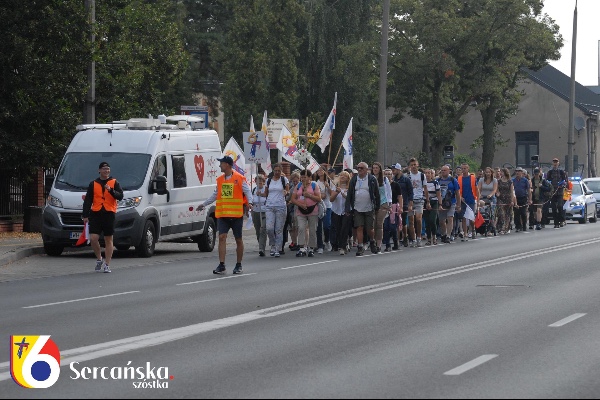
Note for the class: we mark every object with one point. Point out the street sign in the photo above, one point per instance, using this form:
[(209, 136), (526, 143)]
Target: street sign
[(275, 126)]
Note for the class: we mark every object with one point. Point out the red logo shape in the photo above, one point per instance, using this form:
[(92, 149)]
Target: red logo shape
[(199, 164)]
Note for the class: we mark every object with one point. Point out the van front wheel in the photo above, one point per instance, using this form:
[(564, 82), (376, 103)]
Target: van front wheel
[(206, 242), (52, 250), (146, 247)]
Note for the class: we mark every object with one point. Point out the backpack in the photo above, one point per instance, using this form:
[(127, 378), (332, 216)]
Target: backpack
[(447, 200), (283, 182)]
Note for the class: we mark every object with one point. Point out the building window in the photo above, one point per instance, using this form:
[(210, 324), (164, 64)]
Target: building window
[(528, 144)]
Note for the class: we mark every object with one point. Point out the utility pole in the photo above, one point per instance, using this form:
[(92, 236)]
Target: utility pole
[(571, 142), (383, 72), (89, 111)]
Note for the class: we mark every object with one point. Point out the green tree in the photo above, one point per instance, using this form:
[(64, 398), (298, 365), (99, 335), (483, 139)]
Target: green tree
[(140, 58), (340, 54), (451, 53), (44, 52)]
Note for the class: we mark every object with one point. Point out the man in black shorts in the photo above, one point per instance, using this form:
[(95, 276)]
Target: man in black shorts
[(100, 209)]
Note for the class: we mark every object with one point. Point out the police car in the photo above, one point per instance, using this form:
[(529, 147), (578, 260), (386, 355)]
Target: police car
[(594, 185), (583, 205)]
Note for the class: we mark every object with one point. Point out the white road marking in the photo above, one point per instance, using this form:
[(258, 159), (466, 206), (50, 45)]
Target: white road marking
[(95, 351), (470, 365), (86, 299), (308, 265), (215, 279), (567, 320)]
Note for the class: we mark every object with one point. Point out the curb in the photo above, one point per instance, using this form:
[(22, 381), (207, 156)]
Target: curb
[(19, 254)]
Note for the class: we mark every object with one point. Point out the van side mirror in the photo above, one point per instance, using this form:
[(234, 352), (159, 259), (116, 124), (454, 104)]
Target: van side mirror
[(159, 186), (589, 192)]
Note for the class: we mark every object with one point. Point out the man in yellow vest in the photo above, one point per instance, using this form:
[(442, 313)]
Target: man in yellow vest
[(100, 209), (232, 194)]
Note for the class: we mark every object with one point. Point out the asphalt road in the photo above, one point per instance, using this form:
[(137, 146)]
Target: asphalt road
[(507, 317)]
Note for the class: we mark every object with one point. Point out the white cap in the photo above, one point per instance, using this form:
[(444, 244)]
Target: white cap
[(397, 166)]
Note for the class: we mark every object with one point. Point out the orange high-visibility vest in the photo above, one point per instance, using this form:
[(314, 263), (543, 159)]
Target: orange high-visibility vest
[(102, 198), (568, 192), (473, 186), (230, 196)]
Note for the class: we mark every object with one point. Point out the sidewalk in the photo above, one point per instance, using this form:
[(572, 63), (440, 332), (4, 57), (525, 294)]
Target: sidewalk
[(15, 246)]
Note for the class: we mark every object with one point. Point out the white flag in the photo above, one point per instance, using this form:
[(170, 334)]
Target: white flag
[(313, 166), (265, 166), (234, 151), (287, 146), (252, 130), (328, 128), (348, 151), (469, 213)]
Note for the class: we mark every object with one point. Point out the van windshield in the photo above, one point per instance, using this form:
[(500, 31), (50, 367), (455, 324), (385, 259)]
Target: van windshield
[(79, 169)]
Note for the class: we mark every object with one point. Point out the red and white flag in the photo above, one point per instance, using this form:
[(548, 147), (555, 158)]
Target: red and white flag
[(85, 236)]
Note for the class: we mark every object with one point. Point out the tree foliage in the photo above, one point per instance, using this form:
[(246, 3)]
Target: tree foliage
[(140, 58), (44, 52), (449, 53)]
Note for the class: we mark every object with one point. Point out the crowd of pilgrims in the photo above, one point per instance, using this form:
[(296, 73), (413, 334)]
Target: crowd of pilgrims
[(381, 209)]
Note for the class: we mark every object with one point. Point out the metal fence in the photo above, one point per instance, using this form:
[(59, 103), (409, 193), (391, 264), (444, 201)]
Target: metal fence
[(12, 195), (13, 192)]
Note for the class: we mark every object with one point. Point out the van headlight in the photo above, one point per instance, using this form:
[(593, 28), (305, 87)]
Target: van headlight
[(576, 203), (54, 202), (128, 203)]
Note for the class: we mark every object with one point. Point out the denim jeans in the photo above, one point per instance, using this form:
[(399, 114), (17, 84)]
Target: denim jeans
[(323, 227), (390, 231)]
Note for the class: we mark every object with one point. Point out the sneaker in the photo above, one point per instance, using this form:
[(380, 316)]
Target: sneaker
[(419, 243), (220, 270), (395, 247), (374, 248), (282, 252), (470, 235), (238, 269), (106, 269), (261, 253), (531, 227), (272, 251), (342, 252), (538, 228), (301, 253), (360, 251), (311, 253), (319, 251), (405, 242), (99, 265), (292, 246), (277, 254), (452, 239), (328, 246), (387, 249)]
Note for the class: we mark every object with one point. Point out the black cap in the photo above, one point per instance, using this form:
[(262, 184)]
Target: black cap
[(331, 170), (226, 159), (103, 164)]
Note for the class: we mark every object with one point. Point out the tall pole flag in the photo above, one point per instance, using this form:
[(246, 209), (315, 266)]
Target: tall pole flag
[(328, 128), (347, 143), (265, 166)]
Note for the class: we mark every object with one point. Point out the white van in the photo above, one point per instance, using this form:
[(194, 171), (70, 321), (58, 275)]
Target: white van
[(165, 170)]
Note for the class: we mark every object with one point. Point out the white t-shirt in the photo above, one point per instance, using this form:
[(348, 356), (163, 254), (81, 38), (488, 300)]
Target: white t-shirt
[(324, 188), (339, 204), (362, 199), (417, 182), (276, 197)]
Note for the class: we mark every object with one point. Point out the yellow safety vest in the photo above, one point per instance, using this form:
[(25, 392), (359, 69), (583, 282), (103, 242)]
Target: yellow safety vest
[(230, 196)]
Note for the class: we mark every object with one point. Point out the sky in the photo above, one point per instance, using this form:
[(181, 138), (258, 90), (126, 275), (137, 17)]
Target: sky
[(588, 35)]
